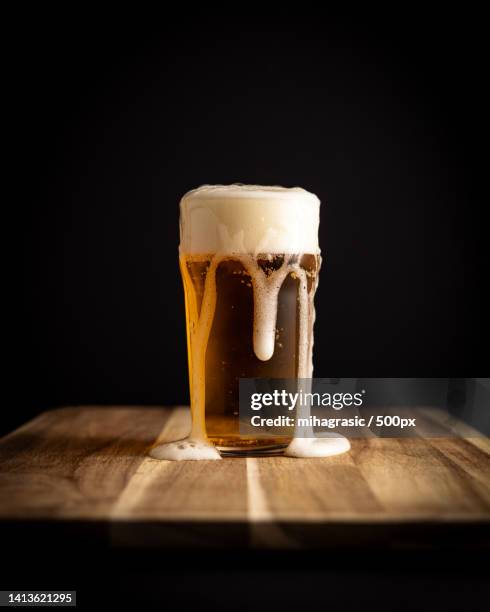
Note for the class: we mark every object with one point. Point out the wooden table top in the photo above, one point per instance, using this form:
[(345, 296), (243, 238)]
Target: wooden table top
[(90, 464)]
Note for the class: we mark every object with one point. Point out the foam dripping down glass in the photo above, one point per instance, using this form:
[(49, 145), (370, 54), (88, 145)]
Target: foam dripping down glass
[(250, 260)]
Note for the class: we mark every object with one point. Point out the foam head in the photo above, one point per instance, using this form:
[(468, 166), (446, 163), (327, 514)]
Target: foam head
[(249, 219)]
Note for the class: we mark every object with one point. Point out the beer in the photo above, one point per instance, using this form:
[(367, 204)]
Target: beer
[(249, 259), (230, 353)]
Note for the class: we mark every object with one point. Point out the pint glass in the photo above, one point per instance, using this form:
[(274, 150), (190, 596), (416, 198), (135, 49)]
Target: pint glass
[(249, 259)]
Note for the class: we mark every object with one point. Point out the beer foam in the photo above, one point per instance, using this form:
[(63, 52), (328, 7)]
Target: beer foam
[(252, 219), (186, 450), (328, 445)]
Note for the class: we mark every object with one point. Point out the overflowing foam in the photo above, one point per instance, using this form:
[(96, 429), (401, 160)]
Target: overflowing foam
[(249, 219), (186, 450), (328, 445), (240, 222)]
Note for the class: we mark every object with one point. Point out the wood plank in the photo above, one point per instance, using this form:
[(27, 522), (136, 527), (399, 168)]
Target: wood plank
[(413, 479), (465, 450), (291, 493), (457, 428), (306, 489), (178, 503), (183, 490), (74, 462)]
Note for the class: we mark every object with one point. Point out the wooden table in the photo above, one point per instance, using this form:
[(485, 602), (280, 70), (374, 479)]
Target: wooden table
[(90, 465)]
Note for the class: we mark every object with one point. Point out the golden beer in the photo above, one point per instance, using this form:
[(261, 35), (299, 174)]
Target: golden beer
[(228, 354)]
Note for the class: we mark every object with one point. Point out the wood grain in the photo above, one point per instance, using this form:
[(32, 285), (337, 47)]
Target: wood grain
[(92, 464), (74, 462)]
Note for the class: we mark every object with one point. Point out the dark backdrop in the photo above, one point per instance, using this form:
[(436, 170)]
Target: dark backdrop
[(379, 115)]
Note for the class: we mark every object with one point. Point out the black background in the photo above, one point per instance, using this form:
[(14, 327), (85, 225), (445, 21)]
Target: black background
[(378, 114), (117, 115)]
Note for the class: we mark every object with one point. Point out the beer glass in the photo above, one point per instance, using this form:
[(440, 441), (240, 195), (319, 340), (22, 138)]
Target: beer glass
[(249, 259)]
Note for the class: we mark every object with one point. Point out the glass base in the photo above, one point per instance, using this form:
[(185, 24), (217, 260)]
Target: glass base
[(235, 445), (258, 451)]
